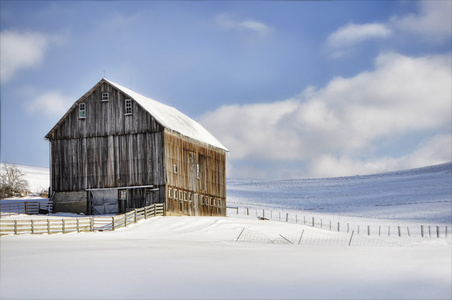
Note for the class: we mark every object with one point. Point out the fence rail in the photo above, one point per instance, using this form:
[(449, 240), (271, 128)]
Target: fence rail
[(85, 224), (438, 231)]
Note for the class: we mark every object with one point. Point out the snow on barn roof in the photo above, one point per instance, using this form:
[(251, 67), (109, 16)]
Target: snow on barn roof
[(171, 118)]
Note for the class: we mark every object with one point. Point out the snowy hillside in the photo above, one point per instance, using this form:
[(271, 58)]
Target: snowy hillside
[(37, 177), (423, 194)]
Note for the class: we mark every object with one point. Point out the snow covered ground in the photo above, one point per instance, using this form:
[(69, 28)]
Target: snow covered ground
[(199, 257), (241, 257)]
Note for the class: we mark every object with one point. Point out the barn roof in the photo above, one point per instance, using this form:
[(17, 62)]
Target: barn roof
[(167, 116)]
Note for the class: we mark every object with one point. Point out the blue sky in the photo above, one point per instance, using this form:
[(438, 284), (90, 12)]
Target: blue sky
[(293, 88)]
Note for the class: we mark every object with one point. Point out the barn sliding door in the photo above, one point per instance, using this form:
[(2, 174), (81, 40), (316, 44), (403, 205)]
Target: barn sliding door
[(104, 202)]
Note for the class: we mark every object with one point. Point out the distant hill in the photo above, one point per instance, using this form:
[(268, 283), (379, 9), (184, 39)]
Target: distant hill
[(416, 194)]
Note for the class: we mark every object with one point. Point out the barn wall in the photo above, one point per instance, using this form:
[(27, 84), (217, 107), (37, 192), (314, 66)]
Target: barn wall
[(198, 186), (107, 148)]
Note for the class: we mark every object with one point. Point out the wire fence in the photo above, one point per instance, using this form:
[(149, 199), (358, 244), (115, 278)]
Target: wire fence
[(317, 238), (340, 226)]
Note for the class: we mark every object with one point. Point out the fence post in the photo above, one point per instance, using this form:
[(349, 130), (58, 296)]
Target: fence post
[(301, 237), (15, 226), (48, 226), (304, 220), (348, 228), (32, 227), (330, 225), (446, 231), (437, 231), (247, 211), (351, 236), (408, 230), (145, 213), (422, 230), (125, 219), (321, 223), (113, 221), (78, 225), (338, 226), (279, 216), (237, 210), (287, 217), (240, 234), (91, 224), (296, 219), (26, 207), (313, 222), (368, 230), (135, 216), (63, 226), (263, 213), (379, 230), (429, 231), (398, 230)]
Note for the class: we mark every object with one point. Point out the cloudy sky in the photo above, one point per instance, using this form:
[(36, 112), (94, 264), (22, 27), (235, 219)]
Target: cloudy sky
[(293, 89)]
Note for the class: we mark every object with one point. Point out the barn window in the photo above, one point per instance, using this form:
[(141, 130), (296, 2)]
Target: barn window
[(128, 106), (219, 202), (170, 193), (105, 97), (198, 174), (175, 168), (82, 111)]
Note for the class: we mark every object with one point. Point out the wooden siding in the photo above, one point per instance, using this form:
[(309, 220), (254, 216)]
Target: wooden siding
[(107, 148), (106, 162), (209, 182), (104, 118)]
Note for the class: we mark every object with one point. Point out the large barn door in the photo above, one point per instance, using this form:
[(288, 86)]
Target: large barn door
[(193, 171), (104, 202)]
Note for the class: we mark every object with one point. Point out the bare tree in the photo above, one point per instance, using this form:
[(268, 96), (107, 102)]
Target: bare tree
[(12, 181)]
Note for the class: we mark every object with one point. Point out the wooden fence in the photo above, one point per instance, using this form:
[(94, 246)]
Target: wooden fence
[(26, 207), (85, 224)]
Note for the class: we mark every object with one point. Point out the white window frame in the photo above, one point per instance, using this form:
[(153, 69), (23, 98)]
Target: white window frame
[(128, 107), (105, 97), (175, 168), (82, 110)]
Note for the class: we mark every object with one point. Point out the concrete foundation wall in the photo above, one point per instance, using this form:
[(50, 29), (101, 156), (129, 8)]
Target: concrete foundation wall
[(72, 202)]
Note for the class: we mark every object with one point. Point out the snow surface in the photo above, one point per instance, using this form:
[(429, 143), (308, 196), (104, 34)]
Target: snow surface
[(204, 258), (198, 257)]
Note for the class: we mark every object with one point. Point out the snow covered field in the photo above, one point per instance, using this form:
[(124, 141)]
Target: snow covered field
[(241, 257)]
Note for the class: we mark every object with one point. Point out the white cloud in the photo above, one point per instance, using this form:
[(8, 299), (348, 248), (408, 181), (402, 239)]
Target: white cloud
[(21, 50), (341, 123), (355, 33), (228, 22), (433, 21), (51, 103)]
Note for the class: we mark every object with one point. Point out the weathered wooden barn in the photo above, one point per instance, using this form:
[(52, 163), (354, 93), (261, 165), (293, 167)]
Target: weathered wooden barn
[(115, 150)]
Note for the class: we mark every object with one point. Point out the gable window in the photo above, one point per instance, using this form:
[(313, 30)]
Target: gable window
[(175, 168), (82, 111), (105, 97), (128, 106)]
